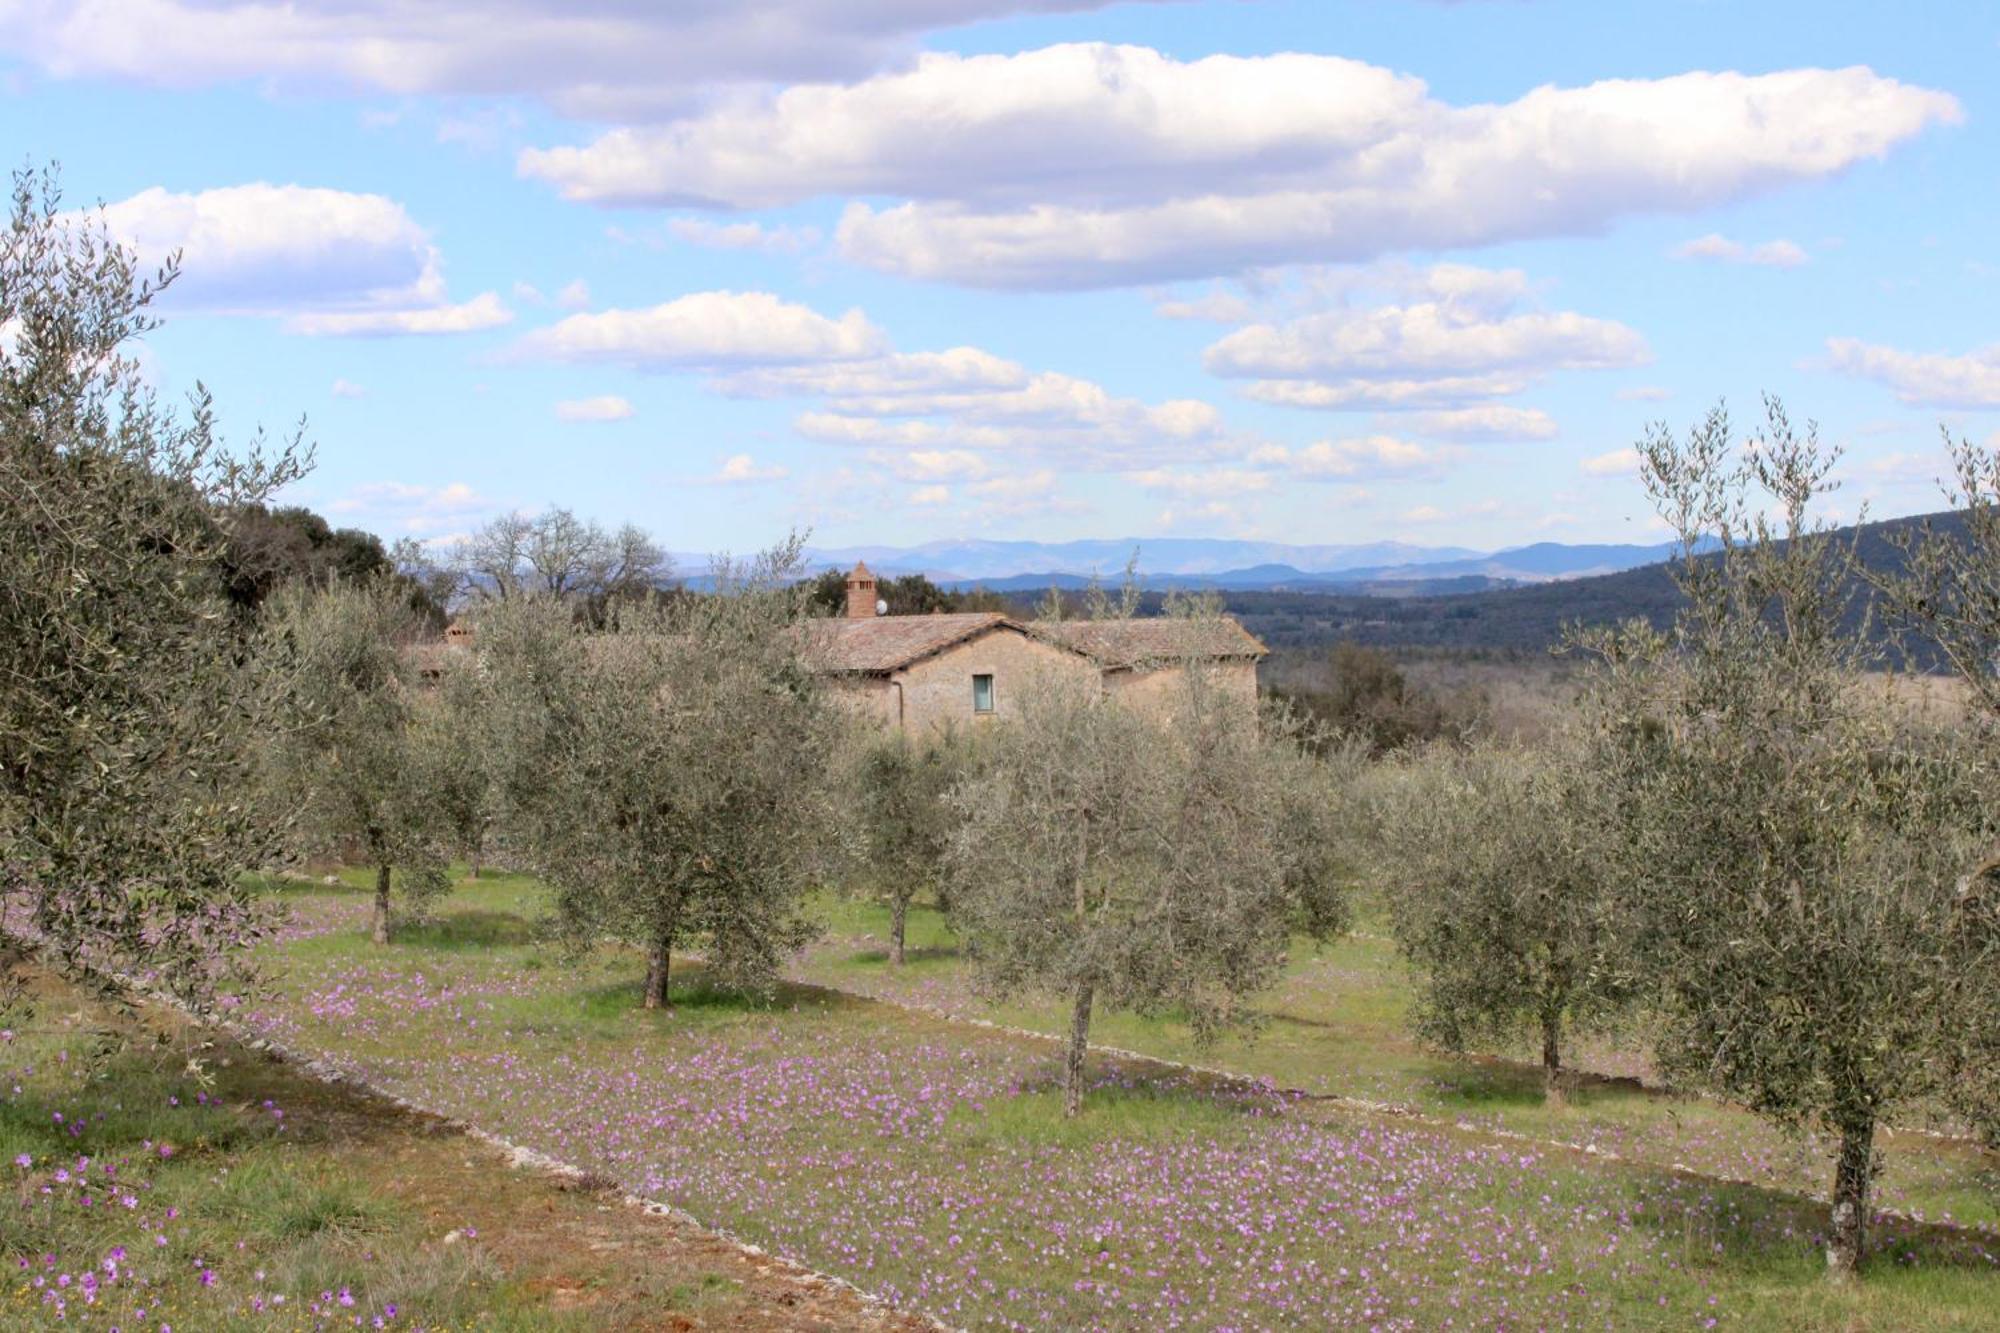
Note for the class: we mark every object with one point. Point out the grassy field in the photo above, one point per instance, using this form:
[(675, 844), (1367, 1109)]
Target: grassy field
[(924, 1159), (1336, 1027), (162, 1178)]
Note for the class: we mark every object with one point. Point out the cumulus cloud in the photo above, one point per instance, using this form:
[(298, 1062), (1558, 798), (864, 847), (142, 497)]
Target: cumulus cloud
[(414, 509), (1459, 336), (1370, 457), (330, 261), (594, 58), (1092, 165), (348, 389), (1617, 463), (706, 330), (1207, 483), (1490, 422), (485, 311), (743, 235), (743, 470), (605, 407), (1925, 379), (1780, 253)]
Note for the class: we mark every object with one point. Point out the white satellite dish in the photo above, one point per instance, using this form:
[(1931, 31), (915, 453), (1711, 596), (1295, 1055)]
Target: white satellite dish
[(881, 607)]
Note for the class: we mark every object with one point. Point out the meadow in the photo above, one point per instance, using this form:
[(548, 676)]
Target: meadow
[(859, 1122), (922, 1157)]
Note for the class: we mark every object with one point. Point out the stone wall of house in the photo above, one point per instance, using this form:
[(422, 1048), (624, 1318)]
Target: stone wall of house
[(1156, 692), (937, 692), (870, 697)]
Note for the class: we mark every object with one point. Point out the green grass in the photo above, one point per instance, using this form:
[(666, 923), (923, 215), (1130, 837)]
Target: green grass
[(1335, 1025)]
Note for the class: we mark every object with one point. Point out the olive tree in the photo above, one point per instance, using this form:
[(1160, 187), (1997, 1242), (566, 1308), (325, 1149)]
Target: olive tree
[(1144, 861), (129, 708), (1944, 600), (354, 761), (456, 743), (668, 774), (1501, 900), (902, 785), (1792, 846)]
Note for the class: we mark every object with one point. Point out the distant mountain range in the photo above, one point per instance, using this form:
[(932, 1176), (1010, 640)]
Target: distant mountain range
[(1392, 568)]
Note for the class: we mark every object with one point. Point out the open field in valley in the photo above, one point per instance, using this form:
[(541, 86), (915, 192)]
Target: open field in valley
[(923, 1157)]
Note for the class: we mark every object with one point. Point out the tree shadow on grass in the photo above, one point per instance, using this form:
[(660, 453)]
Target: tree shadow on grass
[(692, 990), (1752, 1230), (932, 956), (470, 929)]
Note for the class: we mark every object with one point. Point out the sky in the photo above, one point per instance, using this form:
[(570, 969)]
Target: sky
[(1311, 271)]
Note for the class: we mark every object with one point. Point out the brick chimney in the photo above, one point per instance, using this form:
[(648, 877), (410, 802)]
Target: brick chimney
[(861, 593)]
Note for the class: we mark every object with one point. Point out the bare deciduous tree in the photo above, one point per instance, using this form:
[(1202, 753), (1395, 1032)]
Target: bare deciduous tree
[(556, 554)]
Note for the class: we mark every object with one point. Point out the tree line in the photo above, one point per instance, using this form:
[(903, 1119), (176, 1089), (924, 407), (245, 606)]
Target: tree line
[(1788, 872)]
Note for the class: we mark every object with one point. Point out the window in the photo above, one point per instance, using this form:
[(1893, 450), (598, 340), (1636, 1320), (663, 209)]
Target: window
[(982, 694)]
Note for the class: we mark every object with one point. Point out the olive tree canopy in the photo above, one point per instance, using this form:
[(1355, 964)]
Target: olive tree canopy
[(1793, 844), (669, 774), (1141, 861), (129, 708)]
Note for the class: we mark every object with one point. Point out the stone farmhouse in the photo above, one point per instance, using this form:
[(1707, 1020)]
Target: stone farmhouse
[(929, 673), (926, 673)]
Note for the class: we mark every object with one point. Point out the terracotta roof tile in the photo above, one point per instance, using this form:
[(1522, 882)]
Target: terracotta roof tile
[(888, 643), (1122, 644)]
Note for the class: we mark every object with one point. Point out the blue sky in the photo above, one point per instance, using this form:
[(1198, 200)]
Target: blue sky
[(1302, 270)]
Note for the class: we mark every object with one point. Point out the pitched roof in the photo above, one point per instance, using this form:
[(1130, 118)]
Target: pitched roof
[(889, 643), (1119, 645)]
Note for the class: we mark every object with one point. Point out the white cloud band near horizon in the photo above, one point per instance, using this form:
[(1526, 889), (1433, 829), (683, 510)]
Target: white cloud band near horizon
[(1089, 164)]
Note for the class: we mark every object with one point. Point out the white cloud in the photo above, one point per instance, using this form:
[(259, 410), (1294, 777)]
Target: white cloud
[(1206, 484), (1019, 495), (574, 295), (1927, 379), (417, 510), (1644, 393), (932, 465), (1617, 463), (605, 407), (348, 389), (1489, 422), (707, 330), (1094, 165), (1428, 341), (1365, 458), (743, 235), (485, 311), (743, 470), (1780, 253), (330, 261), (1460, 337), (928, 496), (585, 57)]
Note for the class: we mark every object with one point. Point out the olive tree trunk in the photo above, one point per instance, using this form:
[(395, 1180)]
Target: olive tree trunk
[(899, 909), (1079, 1043), (659, 957), (1554, 1081), (380, 930), (1848, 1236)]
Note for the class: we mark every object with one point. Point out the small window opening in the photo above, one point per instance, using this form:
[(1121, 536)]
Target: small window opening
[(982, 694)]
